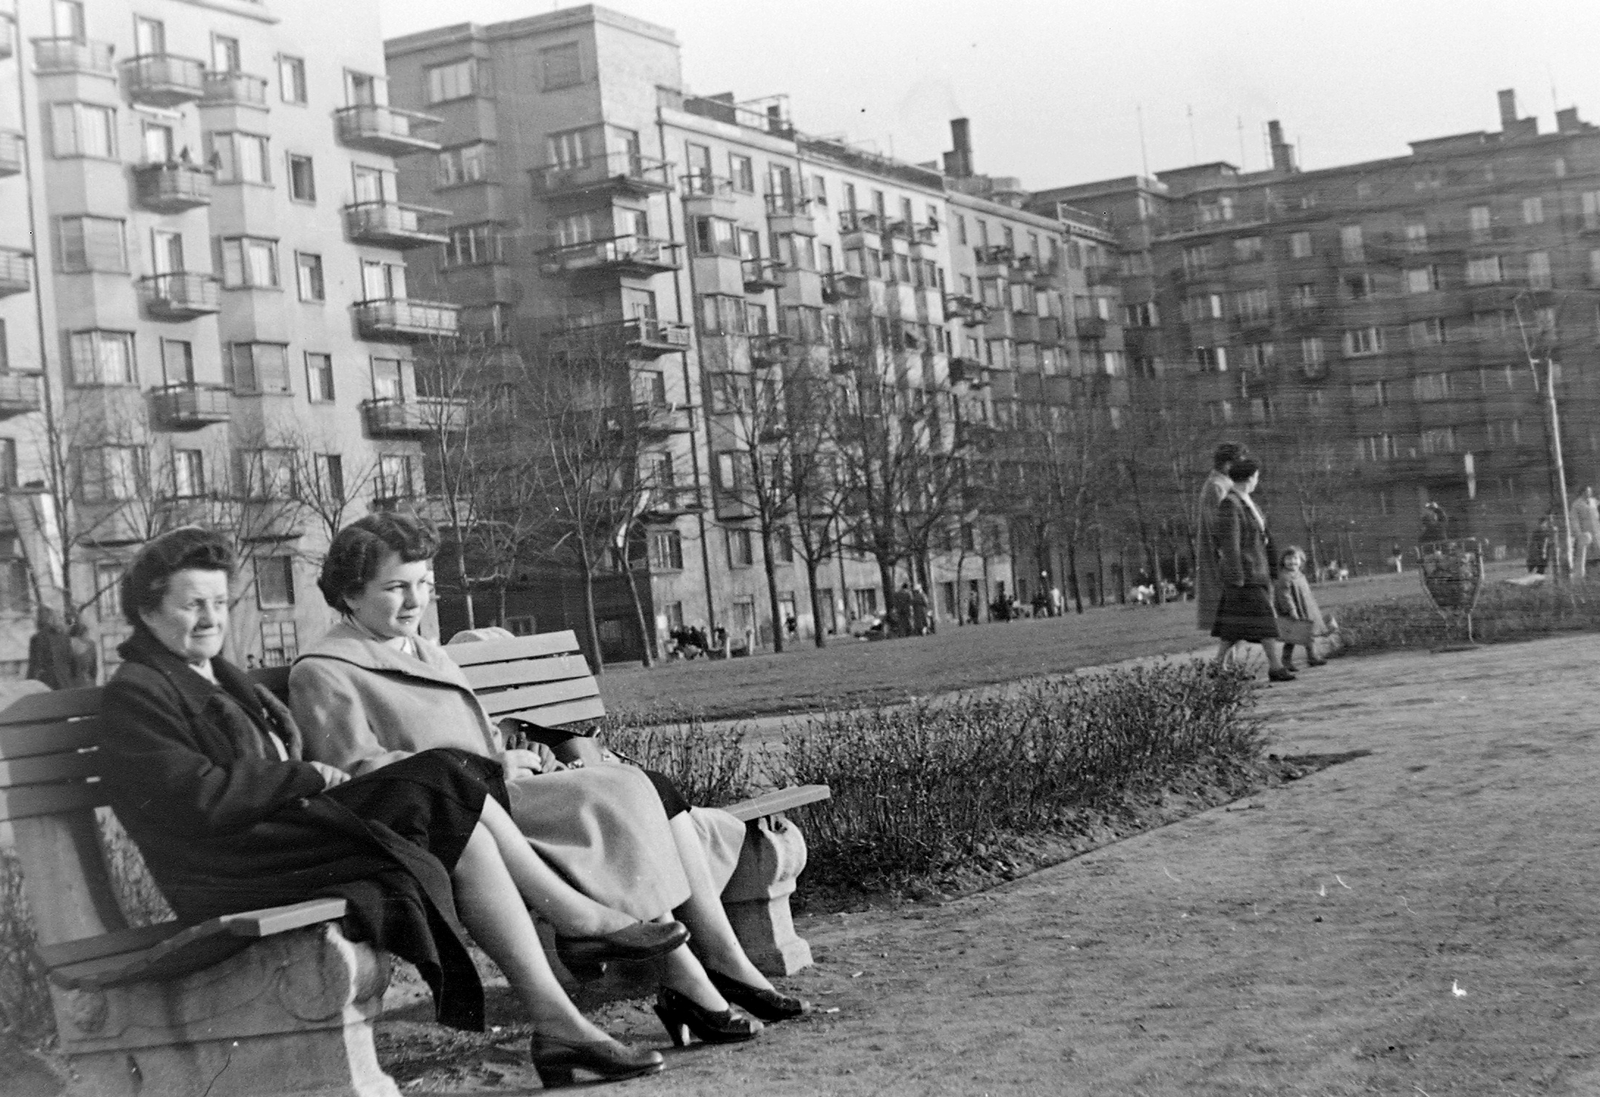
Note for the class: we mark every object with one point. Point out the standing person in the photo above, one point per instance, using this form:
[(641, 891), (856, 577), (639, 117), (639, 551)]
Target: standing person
[(1207, 580), (1245, 610), (85, 656), (1298, 612), (919, 611), (1540, 544), (1585, 530), (1435, 525), (50, 652)]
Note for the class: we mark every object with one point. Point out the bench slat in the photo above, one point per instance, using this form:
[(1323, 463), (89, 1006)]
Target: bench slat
[(521, 647), (784, 799), (559, 716), (60, 704), (540, 696), (31, 800), (120, 943), (489, 676), (40, 738), (49, 767)]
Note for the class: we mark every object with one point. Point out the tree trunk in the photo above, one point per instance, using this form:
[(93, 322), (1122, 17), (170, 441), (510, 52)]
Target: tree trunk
[(1072, 574), (816, 603), (647, 632), (592, 625), (460, 554), (772, 590)]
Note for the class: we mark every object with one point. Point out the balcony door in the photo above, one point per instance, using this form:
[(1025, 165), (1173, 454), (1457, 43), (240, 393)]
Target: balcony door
[(166, 252), (382, 281), (158, 142), (66, 20), (373, 184), (149, 37), (638, 304)]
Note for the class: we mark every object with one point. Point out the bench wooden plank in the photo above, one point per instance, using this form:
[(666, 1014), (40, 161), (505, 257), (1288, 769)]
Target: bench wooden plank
[(771, 803), (484, 677), (540, 696), (521, 647), (274, 678), (40, 768), (60, 704), (28, 801), (271, 920), (36, 738), (120, 943), (559, 716)]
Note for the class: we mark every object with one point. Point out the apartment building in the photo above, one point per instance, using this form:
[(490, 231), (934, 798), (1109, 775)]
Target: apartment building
[(204, 308), (1380, 318)]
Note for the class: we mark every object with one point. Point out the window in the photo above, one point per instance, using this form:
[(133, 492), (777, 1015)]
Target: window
[(224, 53), (1362, 341), (91, 244), (302, 179), (1374, 395), (1479, 224), (459, 79), (319, 377), (82, 129), (267, 473), (1197, 258), (741, 548), (238, 157), (259, 368), (1416, 236), (466, 164), (562, 66), (1253, 304), (1303, 298), (1313, 355), (1539, 270), (249, 262), (396, 476), (1260, 356), (722, 314), (715, 236), (1422, 279), (1350, 246), (388, 379), (280, 644), (470, 244), (1376, 447), (819, 190), (159, 144), (666, 550), (308, 276), (108, 591), (110, 474), (1211, 359), (1426, 333), (742, 170), (328, 468), (66, 19), (1431, 386), (188, 473), (177, 362), (101, 357), (1483, 272), (1533, 211), (274, 582), (1247, 249), (1439, 440), (1358, 286), (291, 79), (1591, 210)]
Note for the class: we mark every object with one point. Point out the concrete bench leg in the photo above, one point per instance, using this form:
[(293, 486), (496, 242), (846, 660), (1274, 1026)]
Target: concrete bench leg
[(757, 897), (289, 1015)]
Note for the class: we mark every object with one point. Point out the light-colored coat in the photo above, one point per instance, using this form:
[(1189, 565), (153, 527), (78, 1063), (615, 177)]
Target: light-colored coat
[(361, 705), (1207, 569)]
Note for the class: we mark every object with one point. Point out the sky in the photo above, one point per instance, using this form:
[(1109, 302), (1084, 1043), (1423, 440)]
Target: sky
[(1061, 92)]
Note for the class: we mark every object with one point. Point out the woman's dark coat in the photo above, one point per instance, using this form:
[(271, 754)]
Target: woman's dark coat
[(1244, 564), (225, 825)]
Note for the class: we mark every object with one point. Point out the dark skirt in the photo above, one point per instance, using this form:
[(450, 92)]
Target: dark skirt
[(1246, 613)]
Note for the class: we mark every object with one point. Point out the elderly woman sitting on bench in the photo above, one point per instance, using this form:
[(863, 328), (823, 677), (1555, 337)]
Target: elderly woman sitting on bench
[(373, 692)]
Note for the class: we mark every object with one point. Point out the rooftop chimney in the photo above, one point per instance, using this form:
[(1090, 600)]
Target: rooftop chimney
[(1282, 152), (1567, 121), (1508, 109), (958, 161)]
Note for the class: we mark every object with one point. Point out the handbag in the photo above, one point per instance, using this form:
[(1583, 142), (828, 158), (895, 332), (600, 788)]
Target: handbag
[(1292, 631)]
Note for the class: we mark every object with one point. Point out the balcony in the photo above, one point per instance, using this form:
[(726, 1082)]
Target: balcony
[(1024, 327), (969, 371), (1091, 327), (66, 55), (643, 337), (859, 229), (418, 417), (1100, 274), (768, 351), (172, 187), (663, 504), (841, 285), (657, 422), (402, 320), (16, 271), (375, 127), (179, 295), (789, 215), (994, 261), (164, 79), (959, 306), (234, 89), (19, 393), (975, 433), (12, 152), (623, 173), (634, 256), (1050, 330), (762, 274), (189, 406), (390, 224), (708, 195)]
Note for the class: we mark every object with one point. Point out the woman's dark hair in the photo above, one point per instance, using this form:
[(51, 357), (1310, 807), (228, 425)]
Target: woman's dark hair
[(183, 549), (1226, 454), (1244, 468), (359, 548)]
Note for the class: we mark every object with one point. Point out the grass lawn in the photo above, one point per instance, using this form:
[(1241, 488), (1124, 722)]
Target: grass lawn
[(850, 673)]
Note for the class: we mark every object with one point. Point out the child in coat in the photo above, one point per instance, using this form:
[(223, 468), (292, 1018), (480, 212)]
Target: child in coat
[(1299, 617)]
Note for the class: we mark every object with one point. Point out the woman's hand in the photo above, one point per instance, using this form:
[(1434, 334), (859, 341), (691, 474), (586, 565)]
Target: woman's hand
[(522, 763), (331, 775)]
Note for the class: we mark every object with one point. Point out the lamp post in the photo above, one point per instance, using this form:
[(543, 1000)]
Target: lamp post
[(1552, 419)]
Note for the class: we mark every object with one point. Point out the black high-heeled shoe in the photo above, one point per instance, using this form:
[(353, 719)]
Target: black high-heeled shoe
[(759, 1002), (555, 1059), (680, 1015), (639, 941)]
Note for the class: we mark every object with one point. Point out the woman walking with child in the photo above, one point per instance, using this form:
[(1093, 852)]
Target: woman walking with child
[(1244, 565)]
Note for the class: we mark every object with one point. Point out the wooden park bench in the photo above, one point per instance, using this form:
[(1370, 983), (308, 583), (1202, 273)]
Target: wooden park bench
[(278, 1001)]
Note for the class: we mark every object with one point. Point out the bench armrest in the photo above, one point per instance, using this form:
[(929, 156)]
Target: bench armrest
[(781, 800)]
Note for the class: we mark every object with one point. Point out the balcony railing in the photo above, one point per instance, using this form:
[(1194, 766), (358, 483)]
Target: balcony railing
[(841, 285), (190, 406), (172, 187), (666, 503), (16, 271), (12, 151), (654, 337), (614, 173), (638, 256), (402, 320), (235, 89), (768, 351), (390, 224), (57, 55), (20, 393), (658, 421), (383, 129), (418, 417), (1090, 327), (705, 194), (179, 295), (790, 214), (762, 274), (164, 79)]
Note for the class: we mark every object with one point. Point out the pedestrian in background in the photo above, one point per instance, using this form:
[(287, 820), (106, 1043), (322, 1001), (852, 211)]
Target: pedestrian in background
[(1541, 542), (50, 652), (1246, 569), (1585, 530), (85, 656), (1207, 580)]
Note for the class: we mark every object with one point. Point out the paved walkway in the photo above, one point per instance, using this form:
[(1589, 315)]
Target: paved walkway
[(1418, 920)]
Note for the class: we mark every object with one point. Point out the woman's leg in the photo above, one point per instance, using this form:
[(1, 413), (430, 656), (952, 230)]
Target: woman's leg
[(1224, 647), (491, 908), (1274, 656), (543, 890), (713, 940)]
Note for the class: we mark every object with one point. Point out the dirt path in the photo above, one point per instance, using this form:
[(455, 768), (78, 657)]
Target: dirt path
[(1417, 920)]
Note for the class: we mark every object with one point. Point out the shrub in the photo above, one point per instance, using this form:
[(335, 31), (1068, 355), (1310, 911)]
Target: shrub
[(712, 764), (1503, 613)]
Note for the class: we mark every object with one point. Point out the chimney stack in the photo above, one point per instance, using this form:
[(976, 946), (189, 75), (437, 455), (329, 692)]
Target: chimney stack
[(1282, 152), (1508, 110), (958, 161)]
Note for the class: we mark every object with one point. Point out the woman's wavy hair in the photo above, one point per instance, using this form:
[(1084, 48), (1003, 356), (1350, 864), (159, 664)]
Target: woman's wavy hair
[(145, 582), (358, 550)]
